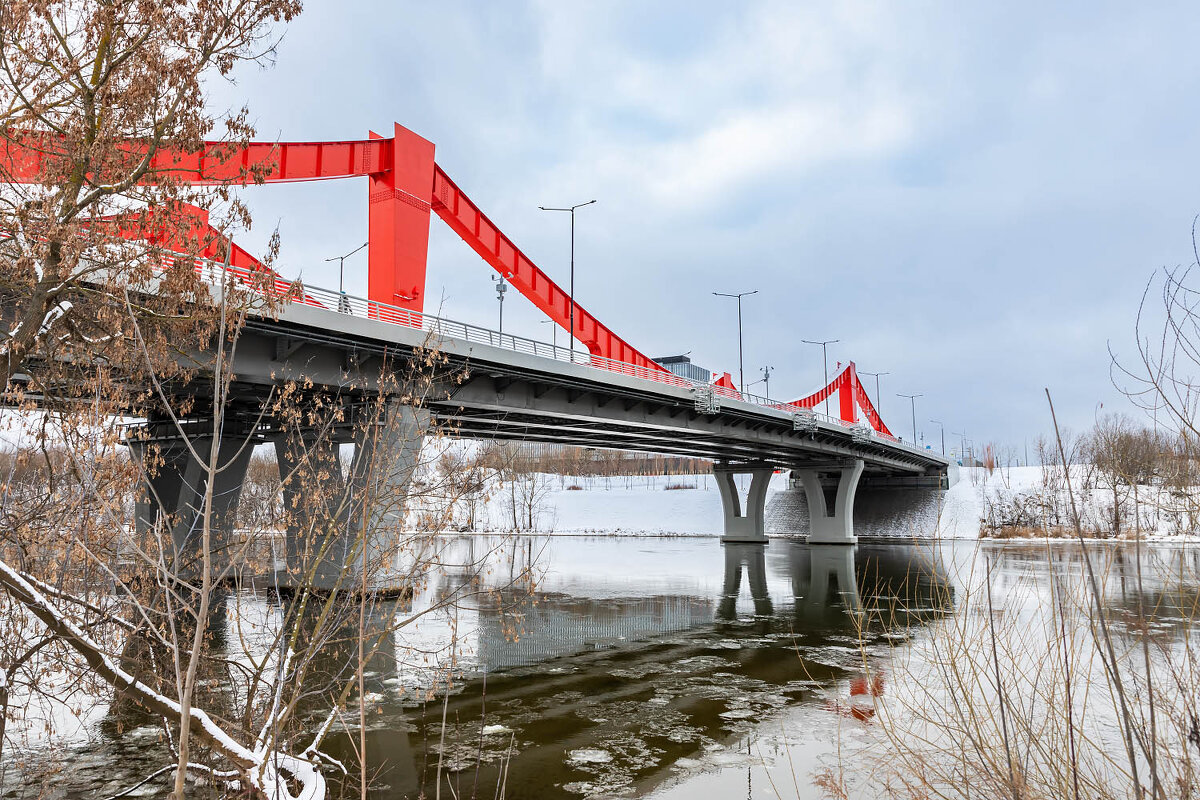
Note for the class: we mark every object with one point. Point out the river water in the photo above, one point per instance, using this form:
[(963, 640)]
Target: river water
[(660, 667)]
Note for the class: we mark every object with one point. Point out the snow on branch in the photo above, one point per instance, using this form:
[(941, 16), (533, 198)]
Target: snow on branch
[(266, 771)]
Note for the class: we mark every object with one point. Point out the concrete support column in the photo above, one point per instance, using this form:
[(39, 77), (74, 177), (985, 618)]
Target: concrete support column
[(748, 525), (386, 454), (175, 475), (342, 524), (830, 495), (317, 508)]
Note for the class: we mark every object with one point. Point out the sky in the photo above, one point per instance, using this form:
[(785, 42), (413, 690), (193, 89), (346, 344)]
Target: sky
[(971, 199)]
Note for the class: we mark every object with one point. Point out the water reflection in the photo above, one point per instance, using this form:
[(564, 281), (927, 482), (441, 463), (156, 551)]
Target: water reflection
[(603, 679), (625, 661), (751, 557)]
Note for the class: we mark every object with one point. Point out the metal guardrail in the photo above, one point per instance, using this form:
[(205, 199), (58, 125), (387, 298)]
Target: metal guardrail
[(212, 273)]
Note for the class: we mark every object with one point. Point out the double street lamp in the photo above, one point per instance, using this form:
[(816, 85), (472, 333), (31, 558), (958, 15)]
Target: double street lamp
[(741, 371), (571, 210), (912, 398), (942, 426), (962, 446), (501, 288), (878, 398), (825, 360), (767, 381), (343, 301)]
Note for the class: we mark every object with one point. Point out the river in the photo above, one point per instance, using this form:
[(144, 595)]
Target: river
[(662, 667)]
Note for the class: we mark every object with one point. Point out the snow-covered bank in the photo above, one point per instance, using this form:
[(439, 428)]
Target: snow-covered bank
[(623, 505), (1030, 501), (1020, 501), (690, 505)]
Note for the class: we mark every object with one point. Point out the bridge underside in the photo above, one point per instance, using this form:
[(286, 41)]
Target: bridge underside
[(520, 410), (494, 393), (509, 395)]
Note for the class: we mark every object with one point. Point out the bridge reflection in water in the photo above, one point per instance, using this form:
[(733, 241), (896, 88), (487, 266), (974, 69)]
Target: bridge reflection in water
[(636, 655), (597, 688)]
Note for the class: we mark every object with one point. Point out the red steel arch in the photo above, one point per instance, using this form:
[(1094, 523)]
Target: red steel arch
[(405, 186)]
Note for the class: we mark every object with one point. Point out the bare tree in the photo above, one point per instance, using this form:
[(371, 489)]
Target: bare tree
[(107, 318), (98, 101)]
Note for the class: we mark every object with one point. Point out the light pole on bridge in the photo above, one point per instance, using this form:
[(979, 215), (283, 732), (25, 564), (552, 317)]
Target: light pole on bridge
[(343, 302), (912, 398), (825, 361), (767, 381), (553, 332), (878, 397), (741, 370), (501, 288), (571, 210), (941, 425)]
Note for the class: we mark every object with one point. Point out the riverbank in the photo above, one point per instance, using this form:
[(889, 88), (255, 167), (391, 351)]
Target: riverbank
[(1003, 503)]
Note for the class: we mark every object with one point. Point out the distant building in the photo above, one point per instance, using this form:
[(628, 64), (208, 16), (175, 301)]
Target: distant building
[(684, 368)]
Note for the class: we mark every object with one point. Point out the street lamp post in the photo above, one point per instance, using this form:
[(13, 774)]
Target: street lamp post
[(343, 301), (553, 332), (878, 397), (962, 444), (913, 400), (942, 425), (501, 288), (741, 371), (767, 381), (571, 210), (825, 362)]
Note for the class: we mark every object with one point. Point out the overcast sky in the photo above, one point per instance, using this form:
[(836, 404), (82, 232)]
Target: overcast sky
[(969, 199)]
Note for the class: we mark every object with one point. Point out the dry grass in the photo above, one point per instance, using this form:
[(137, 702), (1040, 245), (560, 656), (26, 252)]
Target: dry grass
[(1025, 532)]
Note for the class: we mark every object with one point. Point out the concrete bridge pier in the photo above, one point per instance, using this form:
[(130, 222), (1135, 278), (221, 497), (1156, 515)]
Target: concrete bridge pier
[(749, 524), (830, 496), (386, 454), (175, 480), (342, 523), (317, 509)]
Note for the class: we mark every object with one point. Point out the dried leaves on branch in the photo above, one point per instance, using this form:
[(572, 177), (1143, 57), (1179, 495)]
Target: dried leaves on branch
[(92, 95)]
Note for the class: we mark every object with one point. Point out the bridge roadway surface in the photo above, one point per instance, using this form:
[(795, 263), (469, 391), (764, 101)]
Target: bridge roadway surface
[(537, 392)]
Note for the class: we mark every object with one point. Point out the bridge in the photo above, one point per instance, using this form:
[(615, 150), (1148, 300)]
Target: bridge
[(608, 395)]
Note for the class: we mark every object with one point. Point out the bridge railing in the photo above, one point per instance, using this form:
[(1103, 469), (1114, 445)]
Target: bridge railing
[(217, 274)]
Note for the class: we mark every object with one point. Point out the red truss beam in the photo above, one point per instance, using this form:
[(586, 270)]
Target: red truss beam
[(473, 226), (405, 185)]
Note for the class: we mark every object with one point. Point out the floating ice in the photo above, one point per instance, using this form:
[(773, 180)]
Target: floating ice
[(739, 713), (589, 756)]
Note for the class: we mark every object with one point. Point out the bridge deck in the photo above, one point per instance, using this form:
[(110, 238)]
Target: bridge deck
[(522, 389)]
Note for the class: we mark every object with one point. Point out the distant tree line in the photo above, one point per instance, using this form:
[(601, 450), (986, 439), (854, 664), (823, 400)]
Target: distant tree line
[(587, 461)]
